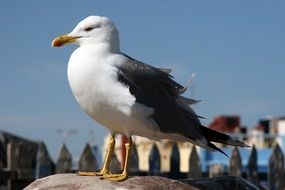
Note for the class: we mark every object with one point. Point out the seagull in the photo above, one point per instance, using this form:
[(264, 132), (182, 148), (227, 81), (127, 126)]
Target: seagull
[(129, 97)]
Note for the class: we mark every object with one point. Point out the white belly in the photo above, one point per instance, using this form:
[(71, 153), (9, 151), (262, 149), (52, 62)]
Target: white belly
[(95, 87)]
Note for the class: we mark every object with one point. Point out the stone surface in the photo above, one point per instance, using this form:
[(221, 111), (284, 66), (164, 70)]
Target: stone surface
[(73, 182)]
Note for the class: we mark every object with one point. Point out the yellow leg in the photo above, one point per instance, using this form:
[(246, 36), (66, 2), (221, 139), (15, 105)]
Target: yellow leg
[(125, 174), (105, 169)]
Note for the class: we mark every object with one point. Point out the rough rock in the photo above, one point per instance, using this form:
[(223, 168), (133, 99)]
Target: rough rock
[(73, 182)]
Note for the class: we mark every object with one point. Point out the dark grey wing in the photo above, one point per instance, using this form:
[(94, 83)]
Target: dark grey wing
[(156, 89)]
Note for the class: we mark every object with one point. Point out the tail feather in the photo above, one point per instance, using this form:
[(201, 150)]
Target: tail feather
[(216, 136), (214, 147)]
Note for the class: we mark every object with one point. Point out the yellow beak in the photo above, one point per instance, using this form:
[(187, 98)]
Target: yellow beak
[(64, 39)]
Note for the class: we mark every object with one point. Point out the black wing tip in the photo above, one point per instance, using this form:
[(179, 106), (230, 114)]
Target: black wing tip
[(215, 148), (235, 142), (219, 137)]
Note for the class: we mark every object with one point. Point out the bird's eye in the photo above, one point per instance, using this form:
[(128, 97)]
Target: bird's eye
[(89, 28)]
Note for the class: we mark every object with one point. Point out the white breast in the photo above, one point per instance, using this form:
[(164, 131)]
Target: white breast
[(93, 81)]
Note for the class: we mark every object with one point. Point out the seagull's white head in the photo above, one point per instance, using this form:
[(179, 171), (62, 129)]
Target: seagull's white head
[(91, 31)]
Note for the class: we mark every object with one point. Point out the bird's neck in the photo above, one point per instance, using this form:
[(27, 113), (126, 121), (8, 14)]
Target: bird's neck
[(103, 48)]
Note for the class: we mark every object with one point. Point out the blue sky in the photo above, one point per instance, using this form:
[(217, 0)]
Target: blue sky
[(235, 48)]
